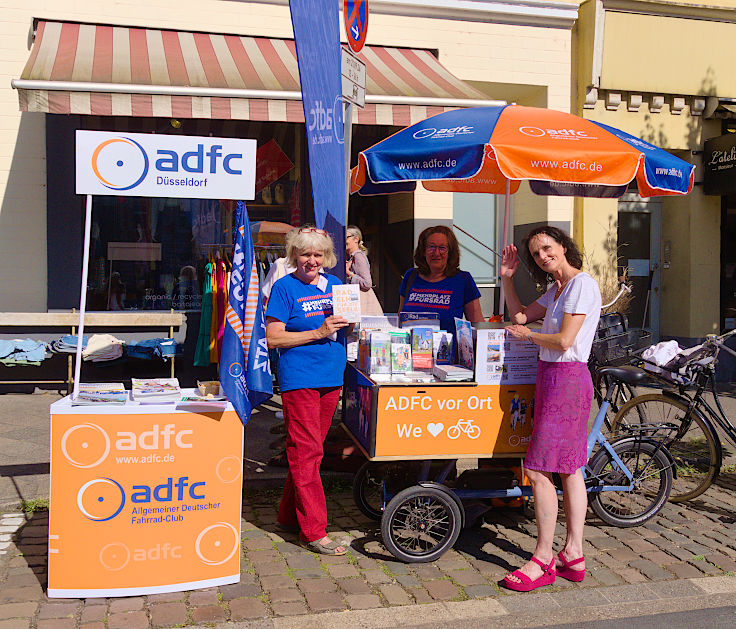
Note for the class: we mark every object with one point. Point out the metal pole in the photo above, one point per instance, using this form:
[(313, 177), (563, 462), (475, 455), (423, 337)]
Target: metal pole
[(83, 294), (504, 239), (347, 117)]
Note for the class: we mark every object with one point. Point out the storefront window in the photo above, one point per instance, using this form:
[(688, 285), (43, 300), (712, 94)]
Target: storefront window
[(476, 215)]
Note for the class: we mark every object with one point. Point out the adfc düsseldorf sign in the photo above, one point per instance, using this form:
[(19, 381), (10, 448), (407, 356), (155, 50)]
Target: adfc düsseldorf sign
[(143, 165)]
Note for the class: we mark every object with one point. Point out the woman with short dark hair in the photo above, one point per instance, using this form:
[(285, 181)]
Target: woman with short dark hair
[(437, 284)]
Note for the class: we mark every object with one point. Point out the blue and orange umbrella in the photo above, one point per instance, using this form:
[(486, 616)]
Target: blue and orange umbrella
[(491, 149)]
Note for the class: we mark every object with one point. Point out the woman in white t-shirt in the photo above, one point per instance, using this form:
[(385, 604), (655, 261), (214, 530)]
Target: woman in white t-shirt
[(571, 308)]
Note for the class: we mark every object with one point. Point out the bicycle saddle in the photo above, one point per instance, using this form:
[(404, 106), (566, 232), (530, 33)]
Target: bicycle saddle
[(627, 374)]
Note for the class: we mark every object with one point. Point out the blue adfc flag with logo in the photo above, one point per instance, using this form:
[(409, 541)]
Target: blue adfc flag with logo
[(245, 372)]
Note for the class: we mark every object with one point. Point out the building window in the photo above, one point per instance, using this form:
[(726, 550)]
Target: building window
[(476, 215)]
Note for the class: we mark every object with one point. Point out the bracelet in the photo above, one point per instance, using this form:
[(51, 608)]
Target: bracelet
[(531, 337)]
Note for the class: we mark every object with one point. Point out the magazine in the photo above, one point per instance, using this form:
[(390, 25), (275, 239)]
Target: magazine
[(452, 373), (419, 319), (155, 390), (442, 347), (346, 302), (207, 402), (421, 348), (102, 393), (380, 352), (400, 352), (464, 334)]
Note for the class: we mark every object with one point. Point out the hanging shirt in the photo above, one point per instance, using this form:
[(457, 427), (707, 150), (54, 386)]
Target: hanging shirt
[(303, 307), (447, 298)]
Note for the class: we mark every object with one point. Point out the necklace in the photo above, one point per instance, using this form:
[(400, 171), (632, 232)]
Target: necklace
[(562, 286)]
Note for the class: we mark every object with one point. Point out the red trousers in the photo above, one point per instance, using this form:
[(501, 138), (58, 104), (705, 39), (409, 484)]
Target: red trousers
[(308, 415)]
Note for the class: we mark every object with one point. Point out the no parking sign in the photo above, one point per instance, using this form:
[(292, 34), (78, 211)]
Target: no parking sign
[(355, 15)]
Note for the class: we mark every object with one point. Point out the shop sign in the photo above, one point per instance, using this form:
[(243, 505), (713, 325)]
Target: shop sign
[(143, 503), (155, 165), (355, 17), (719, 161), (271, 164)]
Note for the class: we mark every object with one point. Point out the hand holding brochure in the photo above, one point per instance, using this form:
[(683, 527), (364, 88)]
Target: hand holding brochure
[(346, 302)]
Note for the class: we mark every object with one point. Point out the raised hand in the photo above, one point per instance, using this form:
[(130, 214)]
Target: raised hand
[(509, 261)]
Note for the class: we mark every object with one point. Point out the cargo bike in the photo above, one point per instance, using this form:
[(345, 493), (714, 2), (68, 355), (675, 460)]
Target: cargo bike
[(413, 435)]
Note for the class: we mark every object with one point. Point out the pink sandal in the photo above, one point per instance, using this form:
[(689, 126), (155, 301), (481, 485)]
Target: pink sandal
[(527, 584), (567, 572)]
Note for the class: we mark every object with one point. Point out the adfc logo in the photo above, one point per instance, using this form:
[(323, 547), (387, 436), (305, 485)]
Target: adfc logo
[(101, 499), (120, 163), (217, 543), (85, 445)]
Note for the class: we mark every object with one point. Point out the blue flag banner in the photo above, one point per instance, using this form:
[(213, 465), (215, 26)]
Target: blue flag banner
[(316, 26), (245, 372)]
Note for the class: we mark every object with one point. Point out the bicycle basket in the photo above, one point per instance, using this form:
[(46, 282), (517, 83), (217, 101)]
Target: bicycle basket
[(618, 349), (611, 324)]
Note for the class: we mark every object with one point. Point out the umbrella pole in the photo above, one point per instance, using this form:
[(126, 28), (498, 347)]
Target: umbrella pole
[(83, 295), (504, 239)]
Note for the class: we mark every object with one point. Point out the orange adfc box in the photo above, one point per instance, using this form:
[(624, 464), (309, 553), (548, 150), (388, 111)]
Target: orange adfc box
[(144, 499)]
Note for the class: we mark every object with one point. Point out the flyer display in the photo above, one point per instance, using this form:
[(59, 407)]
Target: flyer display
[(144, 499), (503, 359)]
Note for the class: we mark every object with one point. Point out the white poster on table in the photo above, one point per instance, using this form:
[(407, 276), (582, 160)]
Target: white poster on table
[(503, 359), (157, 165)]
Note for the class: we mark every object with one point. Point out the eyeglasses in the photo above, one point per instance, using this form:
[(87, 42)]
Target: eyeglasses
[(440, 249), (307, 230)]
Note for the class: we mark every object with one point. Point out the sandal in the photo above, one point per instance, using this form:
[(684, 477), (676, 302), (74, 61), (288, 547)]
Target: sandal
[(567, 572), (525, 584), (326, 549)]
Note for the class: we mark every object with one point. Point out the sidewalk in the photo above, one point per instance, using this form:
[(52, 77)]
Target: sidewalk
[(683, 559)]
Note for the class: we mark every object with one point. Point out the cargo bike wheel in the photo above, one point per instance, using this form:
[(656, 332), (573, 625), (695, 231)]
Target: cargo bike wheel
[(368, 488), (421, 523)]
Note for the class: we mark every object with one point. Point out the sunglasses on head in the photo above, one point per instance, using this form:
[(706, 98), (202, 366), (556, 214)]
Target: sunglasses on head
[(307, 230)]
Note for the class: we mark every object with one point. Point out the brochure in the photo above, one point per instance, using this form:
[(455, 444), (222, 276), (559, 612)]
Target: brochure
[(421, 348), (207, 402), (383, 323), (442, 347), (419, 319), (503, 359), (346, 302), (452, 373), (155, 390), (380, 349), (102, 393), (464, 335), (400, 352)]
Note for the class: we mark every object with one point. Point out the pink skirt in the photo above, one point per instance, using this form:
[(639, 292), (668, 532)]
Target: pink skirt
[(561, 412)]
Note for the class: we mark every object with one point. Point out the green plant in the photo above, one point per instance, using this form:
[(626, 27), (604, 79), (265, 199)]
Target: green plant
[(36, 504)]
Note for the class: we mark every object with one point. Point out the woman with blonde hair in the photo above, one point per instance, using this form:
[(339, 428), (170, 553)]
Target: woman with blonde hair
[(358, 271), (300, 324)]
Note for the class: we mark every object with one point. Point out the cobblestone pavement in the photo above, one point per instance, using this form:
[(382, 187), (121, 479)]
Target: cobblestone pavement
[(280, 579)]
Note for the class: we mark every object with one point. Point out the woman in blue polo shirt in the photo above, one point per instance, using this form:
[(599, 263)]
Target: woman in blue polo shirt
[(437, 284), (300, 324)]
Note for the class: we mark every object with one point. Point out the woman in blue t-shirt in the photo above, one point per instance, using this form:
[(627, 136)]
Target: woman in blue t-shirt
[(300, 324), (437, 284)]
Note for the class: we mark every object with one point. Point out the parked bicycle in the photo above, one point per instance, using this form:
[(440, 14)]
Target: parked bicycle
[(681, 418)]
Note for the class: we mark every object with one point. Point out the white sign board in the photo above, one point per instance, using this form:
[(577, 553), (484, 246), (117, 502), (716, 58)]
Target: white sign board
[(503, 359), (353, 78), (154, 165)]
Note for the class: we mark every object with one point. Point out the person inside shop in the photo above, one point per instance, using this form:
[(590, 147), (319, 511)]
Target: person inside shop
[(570, 307), (116, 296), (358, 271), (300, 324), (436, 283)]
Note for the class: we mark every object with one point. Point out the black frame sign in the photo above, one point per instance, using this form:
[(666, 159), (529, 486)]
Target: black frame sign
[(719, 161)]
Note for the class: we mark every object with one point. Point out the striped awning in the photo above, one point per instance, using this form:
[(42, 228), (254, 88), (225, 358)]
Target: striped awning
[(120, 71)]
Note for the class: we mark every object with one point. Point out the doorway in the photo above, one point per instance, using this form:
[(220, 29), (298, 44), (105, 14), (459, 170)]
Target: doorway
[(639, 244)]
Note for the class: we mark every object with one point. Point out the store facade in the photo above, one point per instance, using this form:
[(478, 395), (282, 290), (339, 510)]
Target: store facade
[(661, 71), (228, 69)]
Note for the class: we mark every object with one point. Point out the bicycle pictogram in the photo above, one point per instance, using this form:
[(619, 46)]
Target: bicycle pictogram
[(464, 426)]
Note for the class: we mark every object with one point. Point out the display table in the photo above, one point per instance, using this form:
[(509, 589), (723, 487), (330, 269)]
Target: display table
[(145, 498), (394, 421)]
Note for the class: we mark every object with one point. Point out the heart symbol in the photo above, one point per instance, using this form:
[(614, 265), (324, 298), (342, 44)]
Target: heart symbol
[(435, 429)]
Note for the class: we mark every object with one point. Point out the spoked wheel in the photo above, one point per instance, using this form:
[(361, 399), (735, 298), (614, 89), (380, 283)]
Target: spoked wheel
[(420, 524), (368, 489), (652, 472), (692, 442)]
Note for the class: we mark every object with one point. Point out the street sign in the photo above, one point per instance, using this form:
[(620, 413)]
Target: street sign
[(353, 78), (355, 16)]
